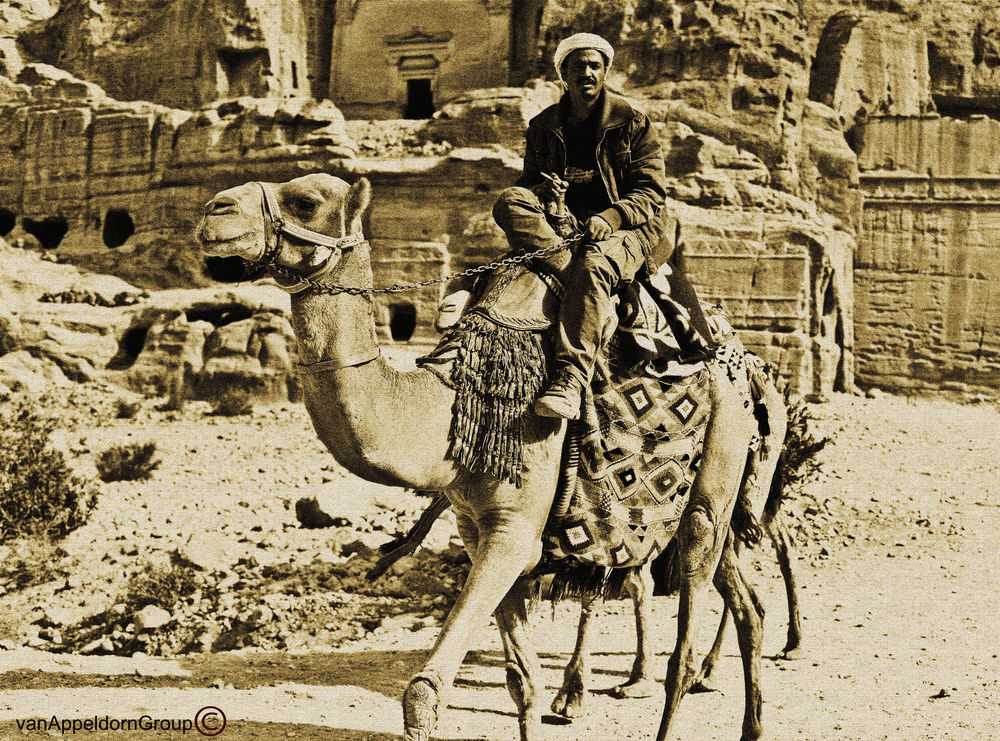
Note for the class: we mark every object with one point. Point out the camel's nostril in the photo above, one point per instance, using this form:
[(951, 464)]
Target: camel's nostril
[(220, 206)]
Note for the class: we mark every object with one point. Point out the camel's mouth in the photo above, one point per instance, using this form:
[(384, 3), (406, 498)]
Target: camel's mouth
[(227, 269)]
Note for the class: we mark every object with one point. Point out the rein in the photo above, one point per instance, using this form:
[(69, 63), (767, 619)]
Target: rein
[(336, 246)]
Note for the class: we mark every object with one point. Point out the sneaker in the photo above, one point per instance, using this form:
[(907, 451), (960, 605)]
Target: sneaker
[(561, 400)]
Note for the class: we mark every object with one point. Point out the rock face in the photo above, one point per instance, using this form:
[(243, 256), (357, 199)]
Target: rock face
[(763, 111), (115, 186), (928, 270), (925, 275), (376, 58), (198, 344)]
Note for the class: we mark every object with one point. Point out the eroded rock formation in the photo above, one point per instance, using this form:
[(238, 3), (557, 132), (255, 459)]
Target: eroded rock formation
[(831, 163)]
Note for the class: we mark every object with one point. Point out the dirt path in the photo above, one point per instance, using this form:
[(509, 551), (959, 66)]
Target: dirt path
[(899, 597)]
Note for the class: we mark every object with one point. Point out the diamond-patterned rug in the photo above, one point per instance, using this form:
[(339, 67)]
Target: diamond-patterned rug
[(638, 462)]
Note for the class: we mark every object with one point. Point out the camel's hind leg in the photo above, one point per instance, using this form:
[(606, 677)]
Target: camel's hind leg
[(522, 664), (777, 529), (748, 615), (569, 699), (639, 585), (703, 530)]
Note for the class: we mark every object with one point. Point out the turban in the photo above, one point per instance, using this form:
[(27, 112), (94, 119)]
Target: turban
[(582, 41)]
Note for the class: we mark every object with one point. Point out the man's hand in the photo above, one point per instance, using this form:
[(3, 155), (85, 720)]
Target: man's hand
[(554, 188), (597, 228)]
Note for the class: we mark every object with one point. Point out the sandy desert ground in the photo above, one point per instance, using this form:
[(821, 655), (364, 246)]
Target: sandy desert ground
[(898, 561)]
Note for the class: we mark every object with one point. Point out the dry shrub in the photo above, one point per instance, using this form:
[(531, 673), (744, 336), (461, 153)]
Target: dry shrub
[(233, 401), (132, 462), (39, 495), (162, 586), (125, 409), (29, 561)]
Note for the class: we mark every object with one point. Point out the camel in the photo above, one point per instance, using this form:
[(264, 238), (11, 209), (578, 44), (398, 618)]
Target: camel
[(392, 428), (639, 585)]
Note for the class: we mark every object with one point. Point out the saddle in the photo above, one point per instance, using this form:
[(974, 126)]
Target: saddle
[(644, 417)]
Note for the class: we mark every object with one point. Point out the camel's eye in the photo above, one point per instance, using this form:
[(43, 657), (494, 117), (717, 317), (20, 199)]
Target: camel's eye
[(305, 205)]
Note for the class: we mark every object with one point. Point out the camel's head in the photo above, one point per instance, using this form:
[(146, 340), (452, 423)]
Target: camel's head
[(298, 225)]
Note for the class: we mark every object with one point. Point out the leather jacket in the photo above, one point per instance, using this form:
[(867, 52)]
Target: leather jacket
[(628, 157)]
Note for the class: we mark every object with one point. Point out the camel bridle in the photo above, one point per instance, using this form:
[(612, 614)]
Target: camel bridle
[(276, 224)]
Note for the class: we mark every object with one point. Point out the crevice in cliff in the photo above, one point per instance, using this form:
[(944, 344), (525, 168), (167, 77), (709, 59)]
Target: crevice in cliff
[(129, 347), (219, 315), (8, 220), (118, 227)]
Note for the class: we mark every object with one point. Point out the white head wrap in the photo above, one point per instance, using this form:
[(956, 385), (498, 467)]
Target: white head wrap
[(582, 41)]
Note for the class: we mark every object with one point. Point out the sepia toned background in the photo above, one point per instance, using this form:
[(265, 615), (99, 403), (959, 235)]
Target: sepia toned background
[(835, 171)]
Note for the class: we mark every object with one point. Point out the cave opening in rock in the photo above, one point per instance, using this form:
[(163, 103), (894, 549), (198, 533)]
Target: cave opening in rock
[(402, 321), (219, 315), (118, 227), (419, 98), (243, 72), (8, 220), (129, 347), (48, 231)]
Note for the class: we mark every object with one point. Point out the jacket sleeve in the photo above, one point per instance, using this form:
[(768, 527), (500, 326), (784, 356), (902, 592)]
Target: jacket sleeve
[(644, 188), (531, 176)]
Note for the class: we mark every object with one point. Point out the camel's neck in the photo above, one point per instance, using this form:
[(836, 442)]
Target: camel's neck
[(369, 415), (333, 327)]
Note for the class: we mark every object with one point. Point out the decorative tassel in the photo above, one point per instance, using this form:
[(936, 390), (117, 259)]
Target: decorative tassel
[(497, 375)]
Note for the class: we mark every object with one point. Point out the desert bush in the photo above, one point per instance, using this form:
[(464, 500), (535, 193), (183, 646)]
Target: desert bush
[(132, 462), (39, 495), (233, 401), (125, 409), (162, 586), (30, 560)]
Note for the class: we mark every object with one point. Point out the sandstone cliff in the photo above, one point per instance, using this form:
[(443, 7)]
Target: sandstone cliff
[(831, 164)]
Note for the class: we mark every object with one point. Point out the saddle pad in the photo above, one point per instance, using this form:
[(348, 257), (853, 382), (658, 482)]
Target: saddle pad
[(638, 461)]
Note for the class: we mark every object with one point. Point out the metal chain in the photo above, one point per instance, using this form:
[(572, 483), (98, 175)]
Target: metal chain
[(401, 287)]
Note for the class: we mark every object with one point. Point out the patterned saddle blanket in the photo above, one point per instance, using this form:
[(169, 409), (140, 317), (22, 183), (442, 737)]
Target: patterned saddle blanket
[(644, 417), (640, 450)]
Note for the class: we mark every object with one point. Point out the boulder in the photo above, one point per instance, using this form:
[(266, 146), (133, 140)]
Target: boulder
[(10, 329), (21, 371), (151, 617)]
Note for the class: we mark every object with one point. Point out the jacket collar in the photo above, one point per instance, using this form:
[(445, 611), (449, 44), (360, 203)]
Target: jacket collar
[(615, 111)]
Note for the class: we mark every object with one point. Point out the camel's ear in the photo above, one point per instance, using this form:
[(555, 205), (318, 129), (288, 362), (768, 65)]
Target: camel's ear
[(358, 198)]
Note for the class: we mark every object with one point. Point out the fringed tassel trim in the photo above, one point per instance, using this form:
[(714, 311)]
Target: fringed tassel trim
[(572, 579), (498, 374)]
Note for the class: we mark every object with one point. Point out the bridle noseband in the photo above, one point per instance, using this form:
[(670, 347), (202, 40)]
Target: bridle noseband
[(278, 225)]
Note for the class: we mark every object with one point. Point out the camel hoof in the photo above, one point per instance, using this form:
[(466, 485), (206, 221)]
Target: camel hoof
[(420, 707), (568, 704), (634, 689), (790, 654), (702, 685)]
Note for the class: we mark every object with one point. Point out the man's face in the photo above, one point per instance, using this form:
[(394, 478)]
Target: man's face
[(583, 72)]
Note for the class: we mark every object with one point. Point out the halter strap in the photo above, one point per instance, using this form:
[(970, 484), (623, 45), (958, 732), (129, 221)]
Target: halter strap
[(332, 365), (300, 232)]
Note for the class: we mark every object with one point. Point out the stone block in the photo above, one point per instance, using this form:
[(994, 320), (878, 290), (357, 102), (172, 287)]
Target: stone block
[(121, 143)]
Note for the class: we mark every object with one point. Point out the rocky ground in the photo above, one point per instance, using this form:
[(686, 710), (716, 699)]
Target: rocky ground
[(208, 564)]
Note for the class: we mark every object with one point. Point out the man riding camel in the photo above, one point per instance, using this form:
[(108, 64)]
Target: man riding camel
[(600, 156)]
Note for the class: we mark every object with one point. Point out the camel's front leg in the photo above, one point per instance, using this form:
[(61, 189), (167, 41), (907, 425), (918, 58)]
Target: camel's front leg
[(522, 664), (508, 522), (639, 585), (569, 700), (702, 532)]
